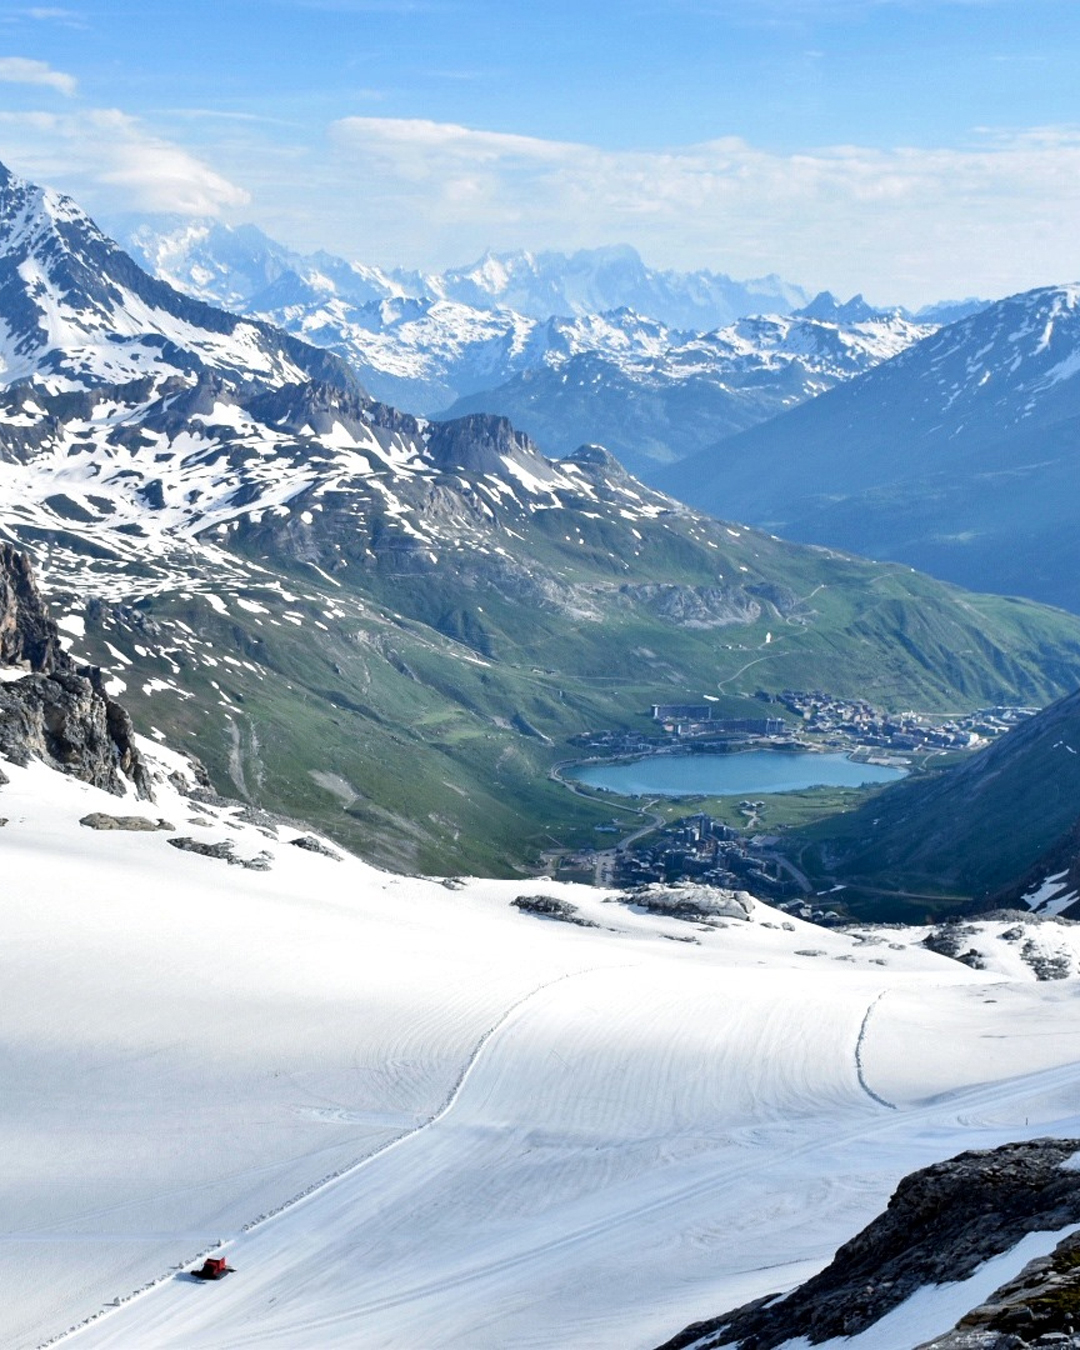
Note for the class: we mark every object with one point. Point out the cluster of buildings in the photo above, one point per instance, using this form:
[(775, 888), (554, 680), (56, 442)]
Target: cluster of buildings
[(676, 723), (841, 721), (828, 719), (696, 719), (704, 849)]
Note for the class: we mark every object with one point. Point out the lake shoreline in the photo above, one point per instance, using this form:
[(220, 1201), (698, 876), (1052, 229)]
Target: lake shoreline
[(709, 778)]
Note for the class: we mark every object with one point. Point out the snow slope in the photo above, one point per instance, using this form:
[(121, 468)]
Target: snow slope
[(543, 1134)]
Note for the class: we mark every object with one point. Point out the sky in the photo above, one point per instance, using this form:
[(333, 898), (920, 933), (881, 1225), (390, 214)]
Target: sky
[(913, 150)]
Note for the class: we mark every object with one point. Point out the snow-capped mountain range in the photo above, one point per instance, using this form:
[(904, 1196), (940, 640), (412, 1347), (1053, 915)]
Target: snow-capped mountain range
[(957, 456), (241, 266), (592, 347), (77, 312), (659, 397), (355, 590)]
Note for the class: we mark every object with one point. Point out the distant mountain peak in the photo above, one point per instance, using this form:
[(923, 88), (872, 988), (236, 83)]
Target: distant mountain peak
[(826, 307)]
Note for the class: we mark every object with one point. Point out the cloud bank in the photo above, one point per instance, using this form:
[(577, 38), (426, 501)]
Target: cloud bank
[(23, 70), (111, 162), (994, 215), (909, 224)]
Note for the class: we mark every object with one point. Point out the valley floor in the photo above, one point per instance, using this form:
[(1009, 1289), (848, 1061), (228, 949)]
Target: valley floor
[(530, 1134)]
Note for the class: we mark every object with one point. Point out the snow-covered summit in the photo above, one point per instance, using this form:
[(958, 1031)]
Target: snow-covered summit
[(76, 311), (234, 265), (956, 456)]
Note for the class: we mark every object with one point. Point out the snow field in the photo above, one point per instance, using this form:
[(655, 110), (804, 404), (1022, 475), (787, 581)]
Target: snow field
[(547, 1136)]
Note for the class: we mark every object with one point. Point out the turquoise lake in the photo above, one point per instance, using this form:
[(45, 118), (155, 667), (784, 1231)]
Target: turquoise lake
[(751, 773)]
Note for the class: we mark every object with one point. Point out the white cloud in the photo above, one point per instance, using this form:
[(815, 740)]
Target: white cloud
[(909, 224), (22, 70), (914, 223), (52, 14), (109, 161)]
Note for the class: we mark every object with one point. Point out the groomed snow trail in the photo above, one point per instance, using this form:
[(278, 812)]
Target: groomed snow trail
[(860, 1068), (316, 1187), (588, 1143)]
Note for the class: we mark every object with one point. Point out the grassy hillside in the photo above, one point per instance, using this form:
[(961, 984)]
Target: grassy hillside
[(416, 715), (963, 833)]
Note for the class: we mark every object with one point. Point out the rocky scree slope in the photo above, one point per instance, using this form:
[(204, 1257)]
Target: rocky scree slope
[(941, 1224), (390, 626), (956, 456)]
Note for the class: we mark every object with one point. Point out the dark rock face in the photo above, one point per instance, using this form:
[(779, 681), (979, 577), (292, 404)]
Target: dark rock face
[(941, 1224), (28, 637), (479, 443), (64, 720), (57, 712)]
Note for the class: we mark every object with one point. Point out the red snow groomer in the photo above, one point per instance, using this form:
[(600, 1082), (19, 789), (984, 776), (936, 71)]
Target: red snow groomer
[(213, 1268)]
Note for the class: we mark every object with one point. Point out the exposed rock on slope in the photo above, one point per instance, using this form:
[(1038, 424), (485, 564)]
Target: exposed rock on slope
[(56, 711), (1040, 1308), (941, 1224), (28, 637)]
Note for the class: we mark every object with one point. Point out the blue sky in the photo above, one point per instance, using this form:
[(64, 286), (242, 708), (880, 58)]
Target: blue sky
[(911, 149)]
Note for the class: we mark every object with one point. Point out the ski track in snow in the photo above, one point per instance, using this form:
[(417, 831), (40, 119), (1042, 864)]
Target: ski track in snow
[(859, 1066), (955, 1108), (324, 1182)]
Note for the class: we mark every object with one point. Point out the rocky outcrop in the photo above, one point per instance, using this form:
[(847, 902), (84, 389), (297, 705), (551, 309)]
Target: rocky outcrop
[(101, 820), (695, 606), (481, 444), (691, 900), (310, 844), (65, 720), (57, 712), (941, 1224), (1040, 1308), (549, 907), (28, 637), (222, 849)]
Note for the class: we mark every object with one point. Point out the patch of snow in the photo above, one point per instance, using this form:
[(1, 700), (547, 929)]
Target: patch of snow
[(935, 1309)]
